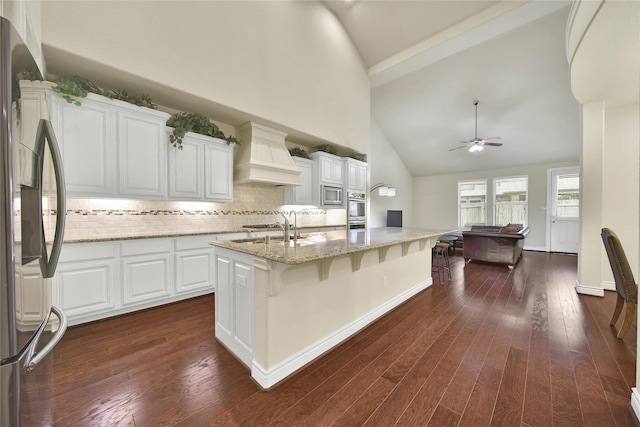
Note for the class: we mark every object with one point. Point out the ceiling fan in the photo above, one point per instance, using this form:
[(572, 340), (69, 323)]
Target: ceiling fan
[(476, 144)]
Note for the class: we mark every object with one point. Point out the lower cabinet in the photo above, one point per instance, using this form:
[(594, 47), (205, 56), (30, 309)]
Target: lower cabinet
[(96, 280), (85, 281), (234, 302), (193, 263), (147, 270)]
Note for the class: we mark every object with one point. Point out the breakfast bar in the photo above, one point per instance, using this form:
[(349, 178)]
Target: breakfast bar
[(280, 303)]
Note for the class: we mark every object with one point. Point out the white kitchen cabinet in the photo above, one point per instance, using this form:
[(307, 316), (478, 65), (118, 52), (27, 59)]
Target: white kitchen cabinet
[(85, 283), (356, 174), (96, 280), (194, 263), (147, 270), (186, 171), (32, 107), (234, 302), (329, 168), (86, 139), (111, 148), (303, 194), (26, 17), (142, 158), (33, 296), (202, 170), (218, 171)]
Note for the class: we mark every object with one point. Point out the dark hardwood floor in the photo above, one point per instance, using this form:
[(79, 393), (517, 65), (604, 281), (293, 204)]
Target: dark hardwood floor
[(490, 347)]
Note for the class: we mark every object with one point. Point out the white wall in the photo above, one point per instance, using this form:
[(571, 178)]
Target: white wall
[(385, 166), (288, 63), (435, 198), (620, 204), (591, 181)]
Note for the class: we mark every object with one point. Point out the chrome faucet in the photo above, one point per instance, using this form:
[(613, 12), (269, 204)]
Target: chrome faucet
[(285, 229), (295, 226)]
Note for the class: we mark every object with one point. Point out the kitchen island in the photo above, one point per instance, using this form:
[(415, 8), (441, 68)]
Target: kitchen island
[(281, 304)]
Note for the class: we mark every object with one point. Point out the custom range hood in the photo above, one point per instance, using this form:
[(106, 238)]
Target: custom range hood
[(263, 158)]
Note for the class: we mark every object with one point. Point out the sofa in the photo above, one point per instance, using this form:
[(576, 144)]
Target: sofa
[(496, 244)]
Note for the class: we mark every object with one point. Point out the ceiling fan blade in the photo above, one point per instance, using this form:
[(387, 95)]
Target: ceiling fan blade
[(489, 139), (457, 148), (493, 144), (465, 142)]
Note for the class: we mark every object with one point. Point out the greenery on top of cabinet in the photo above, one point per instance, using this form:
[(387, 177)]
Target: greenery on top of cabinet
[(194, 122), (80, 87), (298, 152), (327, 148)]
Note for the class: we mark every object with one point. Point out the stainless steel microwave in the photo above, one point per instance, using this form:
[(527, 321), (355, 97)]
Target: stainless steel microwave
[(331, 196)]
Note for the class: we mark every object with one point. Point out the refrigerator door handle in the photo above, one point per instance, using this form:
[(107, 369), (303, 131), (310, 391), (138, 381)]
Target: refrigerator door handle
[(48, 264), (32, 358)]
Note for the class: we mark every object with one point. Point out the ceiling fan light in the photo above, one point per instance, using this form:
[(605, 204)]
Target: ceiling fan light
[(382, 191), (476, 148)]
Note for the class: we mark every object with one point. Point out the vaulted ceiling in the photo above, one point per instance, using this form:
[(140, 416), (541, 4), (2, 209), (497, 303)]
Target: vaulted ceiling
[(429, 60)]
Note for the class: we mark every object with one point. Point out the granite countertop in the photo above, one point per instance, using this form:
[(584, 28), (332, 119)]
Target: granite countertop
[(322, 245), (195, 233)]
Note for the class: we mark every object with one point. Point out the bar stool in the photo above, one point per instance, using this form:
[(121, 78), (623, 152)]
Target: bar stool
[(440, 261)]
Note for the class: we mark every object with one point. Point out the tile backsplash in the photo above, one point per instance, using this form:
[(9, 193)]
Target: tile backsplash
[(253, 204)]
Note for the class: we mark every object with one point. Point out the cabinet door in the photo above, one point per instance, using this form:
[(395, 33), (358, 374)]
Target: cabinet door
[(142, 159), (194, 270), (85, 137), (356, 175), (327, 170), (243, 306), (147, 270), (218, 161), (361, 178), (337, 172), (194, 263), (352, 175), (234, 303), (303, 194), (85, 288), (186, 171)]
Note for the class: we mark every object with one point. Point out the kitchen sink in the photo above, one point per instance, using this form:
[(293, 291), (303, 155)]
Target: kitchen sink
[(273, 240)]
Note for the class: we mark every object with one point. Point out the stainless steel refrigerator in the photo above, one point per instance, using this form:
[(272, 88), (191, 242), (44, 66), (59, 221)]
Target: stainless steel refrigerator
[(26, 370)]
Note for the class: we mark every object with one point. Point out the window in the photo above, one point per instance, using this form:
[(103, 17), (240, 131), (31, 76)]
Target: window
[(568, 196), (510, 200), (472, 203)]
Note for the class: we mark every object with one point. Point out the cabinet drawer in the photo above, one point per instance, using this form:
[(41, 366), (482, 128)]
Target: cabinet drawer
[(194, 242), (72, 252), (146, 246)]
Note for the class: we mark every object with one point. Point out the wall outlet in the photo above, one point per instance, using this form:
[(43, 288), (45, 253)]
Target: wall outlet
[(385, 281)]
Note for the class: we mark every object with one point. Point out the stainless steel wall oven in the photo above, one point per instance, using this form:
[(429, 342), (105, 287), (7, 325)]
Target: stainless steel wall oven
[(357, 210)]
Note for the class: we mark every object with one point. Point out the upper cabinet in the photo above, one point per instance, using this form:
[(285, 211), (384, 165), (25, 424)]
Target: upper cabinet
[(111, 148), (114, 149), (303, 194), (356, 174), (142, 152), (202, 170), (330, 168), (85, 136)]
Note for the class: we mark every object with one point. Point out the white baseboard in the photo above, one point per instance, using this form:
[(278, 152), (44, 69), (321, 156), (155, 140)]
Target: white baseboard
[(268, 378), (609, 286), (589, 290), (635, 402)]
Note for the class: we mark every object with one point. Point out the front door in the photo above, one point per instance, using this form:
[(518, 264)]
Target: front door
[(564, 210)]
